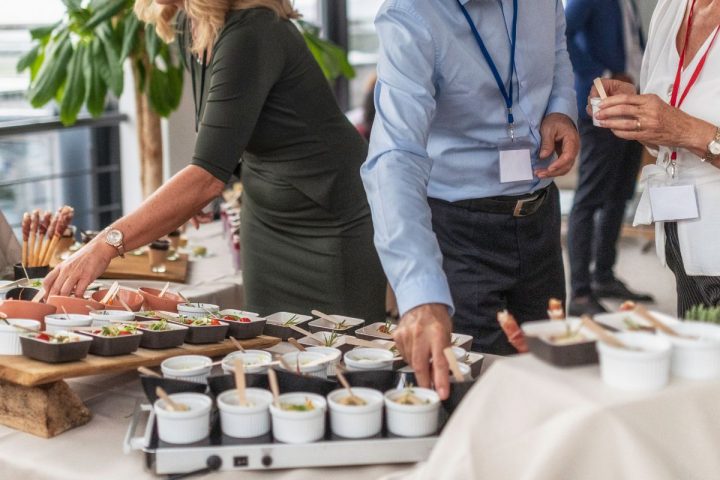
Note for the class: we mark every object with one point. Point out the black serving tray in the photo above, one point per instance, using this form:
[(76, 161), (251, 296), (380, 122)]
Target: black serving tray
[(55, 352)]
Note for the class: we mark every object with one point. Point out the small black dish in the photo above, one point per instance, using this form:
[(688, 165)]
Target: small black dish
[(21, 293), (158, 339), (197, 334), (245, 330), (112, 346), (32, 272), (382, 380), (55, 352)]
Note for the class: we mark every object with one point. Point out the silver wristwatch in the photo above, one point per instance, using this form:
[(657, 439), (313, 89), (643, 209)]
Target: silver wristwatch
[(115, 238), (713, 149)]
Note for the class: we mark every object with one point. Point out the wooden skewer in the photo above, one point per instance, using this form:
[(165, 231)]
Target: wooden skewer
[(274, 388), (240, 382), (67, 315), (603, 334), (110, 292), (50, 235), (25, 238), (359, 342), (162, 292), (34, 220), (174, 406), (300, 330), (237, 344), (38, 296), (42, 230), (124, 305), (643, 312), (454, 367), (292, 341), (325, 316), (66, 216), (600, 88), (148, 372), (343, 381)]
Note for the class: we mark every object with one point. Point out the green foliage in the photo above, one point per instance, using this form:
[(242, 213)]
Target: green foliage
[(702, 313), (79, 60)]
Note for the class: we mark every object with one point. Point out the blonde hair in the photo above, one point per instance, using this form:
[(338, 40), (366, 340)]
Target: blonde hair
[(208, 17)]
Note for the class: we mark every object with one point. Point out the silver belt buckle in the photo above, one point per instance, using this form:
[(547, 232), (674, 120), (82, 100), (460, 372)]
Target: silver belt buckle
[(520, 203)]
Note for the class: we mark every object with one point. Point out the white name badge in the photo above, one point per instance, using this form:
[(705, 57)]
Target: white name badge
[(515, 162), (673, 202)]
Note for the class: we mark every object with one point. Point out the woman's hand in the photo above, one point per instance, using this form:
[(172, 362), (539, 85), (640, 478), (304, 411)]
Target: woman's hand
[(652, 121), (72, 276), (612, 87)]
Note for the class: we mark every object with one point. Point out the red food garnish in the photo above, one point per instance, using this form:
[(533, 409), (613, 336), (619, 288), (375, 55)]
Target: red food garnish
[(124, 332), (512, 330), (245, 320), (215, 322), (42, 336)]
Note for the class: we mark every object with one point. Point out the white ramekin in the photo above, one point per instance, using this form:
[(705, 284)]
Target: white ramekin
[(59, 321), (10, 336), (299, 427), (698, 358), (356, 421), (412, 420), (191, 368), (333, 355), (256, 361), (595, 105), (642, 370), (318, 370), (245, 421), (197, 310), (102, 318), (368, 359), (184, 427)]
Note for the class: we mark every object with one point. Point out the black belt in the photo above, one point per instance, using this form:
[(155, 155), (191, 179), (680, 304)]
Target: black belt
[(517, 206)]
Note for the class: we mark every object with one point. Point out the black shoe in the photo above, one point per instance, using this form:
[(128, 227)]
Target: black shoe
[(617, 289), (585, 305)]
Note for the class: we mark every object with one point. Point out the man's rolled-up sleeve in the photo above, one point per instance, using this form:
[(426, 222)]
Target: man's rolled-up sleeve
[(398, 167)]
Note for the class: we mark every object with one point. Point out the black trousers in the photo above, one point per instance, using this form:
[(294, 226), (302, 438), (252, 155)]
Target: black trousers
[(607, 175), (496, 261), (691, 289)]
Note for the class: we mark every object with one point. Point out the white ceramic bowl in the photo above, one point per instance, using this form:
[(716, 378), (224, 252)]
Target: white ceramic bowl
[(191, 368), (412, 420), (256, 361), (333, 355), (10, 336), (59, 321), (643, 370), (356, 421), (184, 427), (196, 310), (101, 318), (698, 358), (245, 421), (317, 367), (368, 359), (299, 427)]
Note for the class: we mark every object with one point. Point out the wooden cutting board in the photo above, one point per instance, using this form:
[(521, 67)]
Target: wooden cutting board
[(136, 267), (25, 371)]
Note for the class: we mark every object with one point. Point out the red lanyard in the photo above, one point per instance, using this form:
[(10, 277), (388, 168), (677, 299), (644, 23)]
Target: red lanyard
[(676, 86)]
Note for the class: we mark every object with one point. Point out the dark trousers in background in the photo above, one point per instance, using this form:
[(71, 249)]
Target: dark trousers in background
[(607, 175), (496, 261)]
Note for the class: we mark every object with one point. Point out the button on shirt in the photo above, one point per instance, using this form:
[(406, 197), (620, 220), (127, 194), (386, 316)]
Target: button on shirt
[(440, 115)]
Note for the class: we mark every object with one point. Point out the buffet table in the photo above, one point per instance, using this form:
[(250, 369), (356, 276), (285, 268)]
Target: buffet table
[(524, 419)]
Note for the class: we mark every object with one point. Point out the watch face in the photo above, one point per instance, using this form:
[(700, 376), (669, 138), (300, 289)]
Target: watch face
[(714, 147), (114, 237)]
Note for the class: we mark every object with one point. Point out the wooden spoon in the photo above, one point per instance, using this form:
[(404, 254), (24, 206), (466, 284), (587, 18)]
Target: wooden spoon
[(38, 296), (162, 292), (292, 341), (454, 367), (603, 334), (600, 88), (300, 330), (274, 388), (148, 372), (236, 342), (110, 293), (325, 316), (124, 305), (240, 382), (354, 399), (643, 312), (174, 406), (359, 342)]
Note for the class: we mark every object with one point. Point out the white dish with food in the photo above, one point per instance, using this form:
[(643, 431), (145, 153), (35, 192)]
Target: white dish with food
[(255, 361), (182, 427), (412, 412), (369, 359), (333, 355), (352, 419), (298, 417), (10, 336), (197, 310), (632, 322), (191, 368), (59, 321), (643, 367), (698, 356), (245, 421), (307, 363), (103, 318)]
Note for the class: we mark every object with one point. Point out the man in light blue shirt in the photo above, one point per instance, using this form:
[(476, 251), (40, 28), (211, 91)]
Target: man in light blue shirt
[(453, 239)]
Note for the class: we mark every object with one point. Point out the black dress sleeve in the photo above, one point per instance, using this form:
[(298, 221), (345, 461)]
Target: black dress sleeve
[(247, 61)]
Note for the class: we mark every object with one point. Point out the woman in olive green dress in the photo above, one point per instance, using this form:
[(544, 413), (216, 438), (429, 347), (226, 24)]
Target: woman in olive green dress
[(266, 113)]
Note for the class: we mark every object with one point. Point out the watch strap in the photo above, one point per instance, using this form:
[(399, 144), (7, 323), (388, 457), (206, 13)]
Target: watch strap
[(120, 247)]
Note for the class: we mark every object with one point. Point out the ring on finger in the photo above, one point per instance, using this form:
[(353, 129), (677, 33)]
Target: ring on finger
[(638, 125)]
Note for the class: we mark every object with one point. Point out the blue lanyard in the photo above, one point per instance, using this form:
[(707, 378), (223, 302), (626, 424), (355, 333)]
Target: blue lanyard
[(507, 93)]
